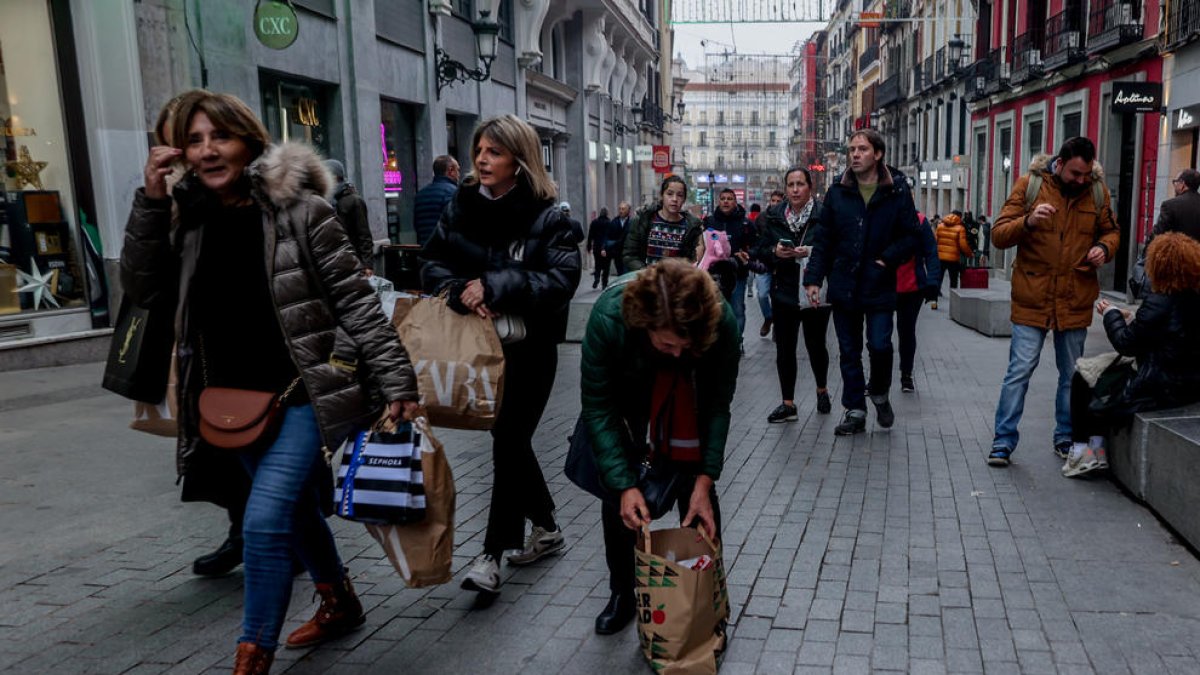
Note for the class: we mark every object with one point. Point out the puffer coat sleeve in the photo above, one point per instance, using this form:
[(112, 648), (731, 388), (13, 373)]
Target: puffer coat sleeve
[(532, 286), (149, 264), (355, 305)]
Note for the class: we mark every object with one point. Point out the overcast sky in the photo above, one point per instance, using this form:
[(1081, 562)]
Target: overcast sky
[(758, 38)]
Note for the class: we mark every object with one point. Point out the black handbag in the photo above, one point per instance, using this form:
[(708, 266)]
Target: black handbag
[(139, 358), (657, 481), (1139, 282)]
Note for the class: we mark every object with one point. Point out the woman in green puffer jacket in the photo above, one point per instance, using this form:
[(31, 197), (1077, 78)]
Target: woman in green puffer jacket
[(660, 363)]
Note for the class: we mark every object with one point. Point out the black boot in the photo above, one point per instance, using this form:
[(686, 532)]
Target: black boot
[(617, 614), (221, 561)]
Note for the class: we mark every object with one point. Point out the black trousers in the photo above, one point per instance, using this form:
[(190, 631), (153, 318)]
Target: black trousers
[(600, 275), (788, 320), (954, 269), (908, 306), (519, 489), (619, 540)]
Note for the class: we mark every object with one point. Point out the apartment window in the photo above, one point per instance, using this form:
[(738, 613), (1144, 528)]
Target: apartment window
[(737, 117), (949, 128)]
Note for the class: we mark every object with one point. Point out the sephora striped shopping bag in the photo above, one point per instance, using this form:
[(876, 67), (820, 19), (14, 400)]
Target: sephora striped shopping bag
[(380, 479)]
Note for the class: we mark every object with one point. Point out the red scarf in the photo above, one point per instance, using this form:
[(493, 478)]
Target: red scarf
[(674, 431)]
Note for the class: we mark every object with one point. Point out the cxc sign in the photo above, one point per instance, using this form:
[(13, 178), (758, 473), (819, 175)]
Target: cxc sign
[(1137, 97), (275, 23)]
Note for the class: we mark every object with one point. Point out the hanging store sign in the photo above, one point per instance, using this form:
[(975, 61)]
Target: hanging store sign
[(1137, 97), (662, 158), (275, 23), (1187, 118), (643, 153)]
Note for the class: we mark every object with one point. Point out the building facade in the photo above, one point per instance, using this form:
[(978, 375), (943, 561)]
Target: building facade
[(1048, 71), (1180, 145), (736, 126), (384, 86)]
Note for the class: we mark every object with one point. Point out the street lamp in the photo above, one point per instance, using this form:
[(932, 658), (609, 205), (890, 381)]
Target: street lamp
[(956, 46), (487, 33)]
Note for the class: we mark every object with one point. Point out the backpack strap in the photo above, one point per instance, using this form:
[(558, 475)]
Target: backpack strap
[(1032, 190)]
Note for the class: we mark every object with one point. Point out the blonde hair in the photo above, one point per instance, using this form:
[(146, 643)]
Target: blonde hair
[(227, 113), (673, 295), (514, 135)]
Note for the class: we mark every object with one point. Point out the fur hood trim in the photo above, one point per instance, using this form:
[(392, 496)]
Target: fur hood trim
[(288, 173), (1173, 263), (1043, 162)]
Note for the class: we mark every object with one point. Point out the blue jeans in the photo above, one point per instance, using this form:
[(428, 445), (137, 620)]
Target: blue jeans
[(1024, 353), (762, 288), (283, 516), (848, 323), (739, 305)]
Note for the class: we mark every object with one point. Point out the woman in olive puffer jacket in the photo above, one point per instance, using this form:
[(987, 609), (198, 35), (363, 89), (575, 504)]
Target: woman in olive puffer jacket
[(268, 296)]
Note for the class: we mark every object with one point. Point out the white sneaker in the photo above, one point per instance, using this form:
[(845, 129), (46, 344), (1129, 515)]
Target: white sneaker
[(484, 575), (1073, 455), (1087, 462), (540, 544)]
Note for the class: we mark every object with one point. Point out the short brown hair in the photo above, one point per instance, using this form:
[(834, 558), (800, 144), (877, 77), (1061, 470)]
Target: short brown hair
[(673, 295), (874, 138), (163, 134), (227, 112)]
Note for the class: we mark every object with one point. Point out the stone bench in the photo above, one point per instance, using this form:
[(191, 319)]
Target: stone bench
[(577, 318), (985, 310), (1158, 460)]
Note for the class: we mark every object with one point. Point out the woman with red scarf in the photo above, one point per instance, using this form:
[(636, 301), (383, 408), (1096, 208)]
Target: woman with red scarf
[(660, 363)]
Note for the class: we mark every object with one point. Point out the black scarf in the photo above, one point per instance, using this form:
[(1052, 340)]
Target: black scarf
[(499, 221)]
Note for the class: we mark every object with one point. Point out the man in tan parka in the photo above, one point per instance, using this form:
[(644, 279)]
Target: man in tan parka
[(1059, 217)]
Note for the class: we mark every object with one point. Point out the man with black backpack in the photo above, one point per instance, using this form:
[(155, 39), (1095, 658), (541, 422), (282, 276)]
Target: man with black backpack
[(1060, 218)]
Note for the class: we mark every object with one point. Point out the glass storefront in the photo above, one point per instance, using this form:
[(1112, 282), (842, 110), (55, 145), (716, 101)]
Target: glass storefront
[(397, 131), (41, 263), (295, 110)]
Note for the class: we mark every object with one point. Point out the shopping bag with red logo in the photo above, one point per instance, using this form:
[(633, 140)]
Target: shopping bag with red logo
[(458, 360), (682, 600)]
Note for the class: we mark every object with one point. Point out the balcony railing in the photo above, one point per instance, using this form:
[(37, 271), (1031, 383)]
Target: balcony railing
[(1183, 24), (869, 57), (1027, 55), (939, 65), (1064, 39), (926, 74), (888, 92), (998, 71), (895, 9), (1113, 23), (977, 76)]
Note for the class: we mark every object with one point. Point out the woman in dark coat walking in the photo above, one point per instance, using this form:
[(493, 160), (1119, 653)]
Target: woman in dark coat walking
[(783, 246), (269, 296), (502, 247), (1164, 341)]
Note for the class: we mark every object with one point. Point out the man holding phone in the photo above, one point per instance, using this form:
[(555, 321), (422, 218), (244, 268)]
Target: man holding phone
[(867, 228), (1062, 237)]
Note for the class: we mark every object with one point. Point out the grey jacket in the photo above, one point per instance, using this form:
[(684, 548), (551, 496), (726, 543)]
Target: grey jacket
[(325, 306)]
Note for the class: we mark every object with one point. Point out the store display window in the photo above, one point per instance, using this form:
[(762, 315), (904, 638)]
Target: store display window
[(397, 131), (41, 265), (297, 111)]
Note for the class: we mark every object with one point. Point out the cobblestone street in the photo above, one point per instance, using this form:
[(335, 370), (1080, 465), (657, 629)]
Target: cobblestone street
[(892, 550)]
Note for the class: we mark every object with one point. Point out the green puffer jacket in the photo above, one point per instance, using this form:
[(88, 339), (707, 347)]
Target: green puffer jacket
[(617, 380)]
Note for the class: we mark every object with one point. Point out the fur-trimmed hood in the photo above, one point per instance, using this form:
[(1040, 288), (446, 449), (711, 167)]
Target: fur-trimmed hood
[(1044, 162), (286, 173), (1173, 263)]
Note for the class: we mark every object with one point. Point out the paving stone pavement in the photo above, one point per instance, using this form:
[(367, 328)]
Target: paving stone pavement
[(893, 550)]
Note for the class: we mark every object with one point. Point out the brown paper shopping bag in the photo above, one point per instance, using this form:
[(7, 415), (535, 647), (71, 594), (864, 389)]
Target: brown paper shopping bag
[(421, 552), (160, 419), (458, 360), (682, 613)]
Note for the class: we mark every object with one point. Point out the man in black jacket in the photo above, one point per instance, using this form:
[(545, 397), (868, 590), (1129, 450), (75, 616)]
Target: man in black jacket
[(1181, 213), (618, 228), (352, 213), (597, 244), (432, 199), (867, 228)]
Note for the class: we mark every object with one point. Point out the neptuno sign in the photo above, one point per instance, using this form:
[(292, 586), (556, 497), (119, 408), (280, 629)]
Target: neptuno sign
[(1137, 97), (275, 24)]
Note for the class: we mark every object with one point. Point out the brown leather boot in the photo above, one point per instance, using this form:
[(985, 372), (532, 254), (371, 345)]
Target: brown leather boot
[(251, 659), (340, 612)]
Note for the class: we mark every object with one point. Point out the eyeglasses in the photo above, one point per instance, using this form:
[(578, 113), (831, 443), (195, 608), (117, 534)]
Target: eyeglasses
[(1176, 180)]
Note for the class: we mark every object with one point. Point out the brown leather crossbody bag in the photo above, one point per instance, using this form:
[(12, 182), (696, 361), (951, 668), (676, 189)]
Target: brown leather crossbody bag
[(239, 419)]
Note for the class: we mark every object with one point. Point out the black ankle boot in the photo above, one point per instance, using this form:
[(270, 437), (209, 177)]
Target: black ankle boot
[(617, 614), (220, 561)]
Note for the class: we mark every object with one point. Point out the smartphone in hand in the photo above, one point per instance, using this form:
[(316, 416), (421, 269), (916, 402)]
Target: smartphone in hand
[(786, 243)]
